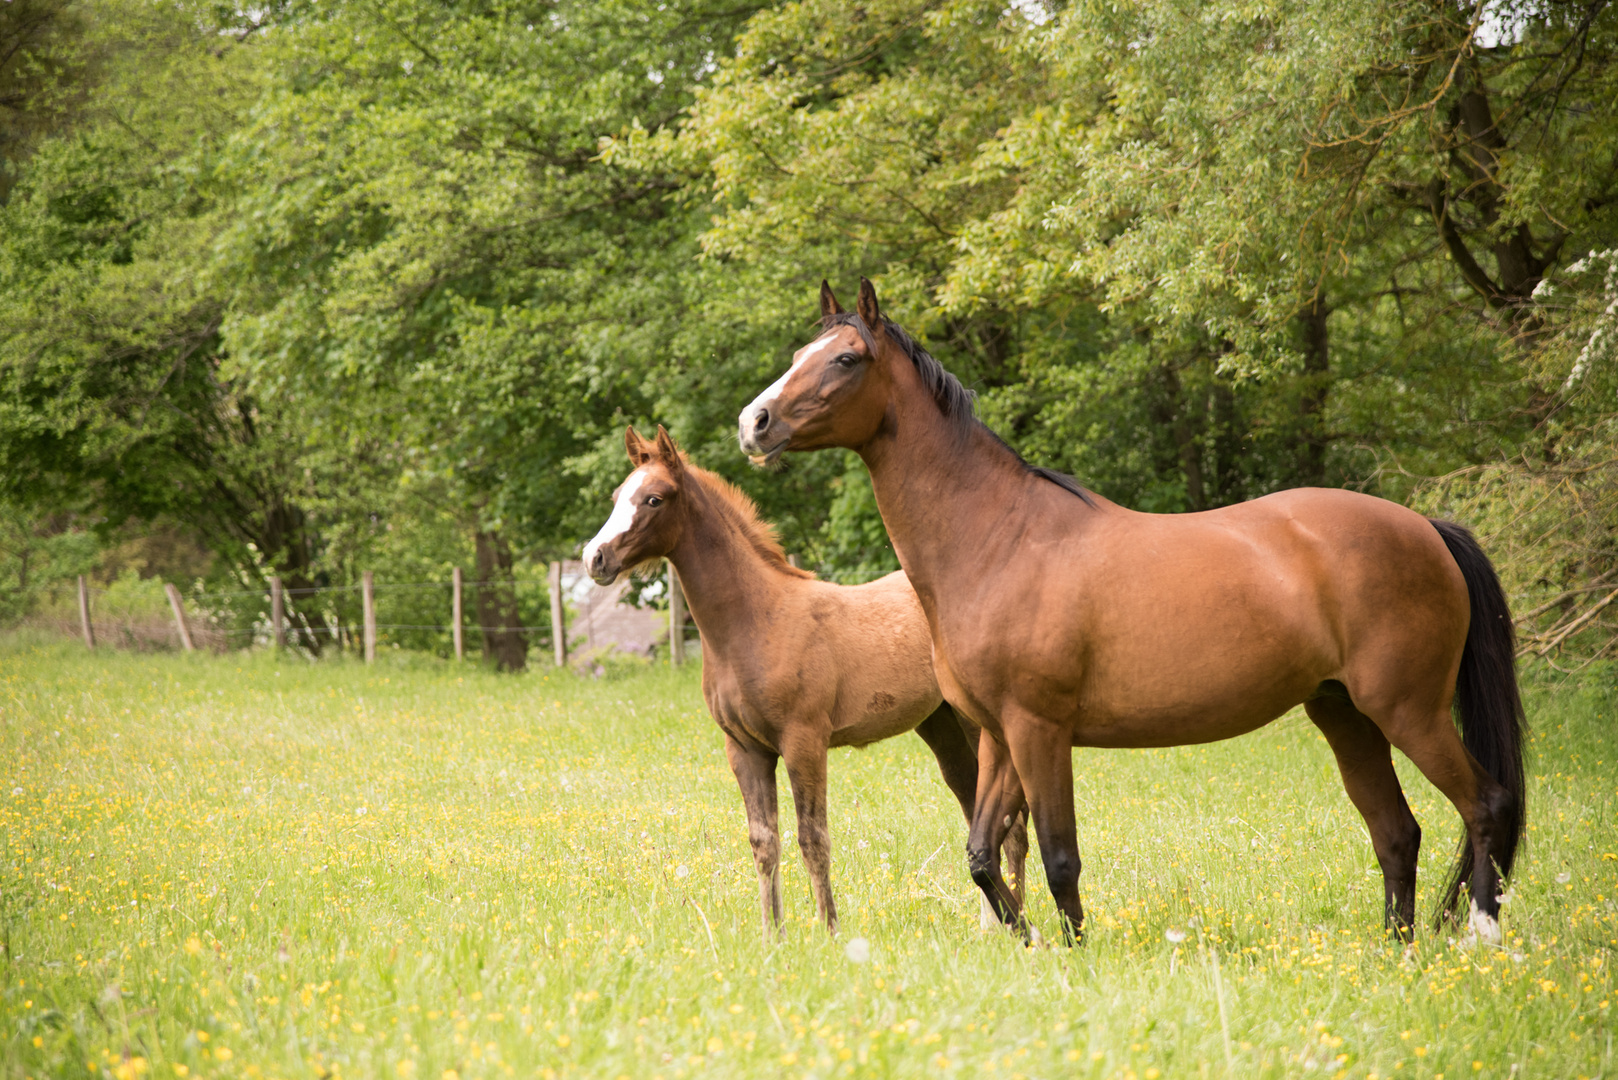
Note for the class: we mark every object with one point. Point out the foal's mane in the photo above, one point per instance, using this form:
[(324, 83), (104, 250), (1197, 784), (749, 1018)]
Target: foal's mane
[(743, 513), (956, 402)]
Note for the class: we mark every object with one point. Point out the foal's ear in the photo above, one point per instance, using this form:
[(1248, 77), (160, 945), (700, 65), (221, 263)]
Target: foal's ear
[(828, 303), (868, 307), (668, 452), (640, 451)]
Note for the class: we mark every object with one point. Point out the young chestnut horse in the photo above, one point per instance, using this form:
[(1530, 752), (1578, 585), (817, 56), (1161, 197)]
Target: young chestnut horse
[(790, 665), (1061, 620)]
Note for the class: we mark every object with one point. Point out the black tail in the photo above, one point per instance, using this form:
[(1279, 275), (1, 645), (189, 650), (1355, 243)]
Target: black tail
[(1487, 701)]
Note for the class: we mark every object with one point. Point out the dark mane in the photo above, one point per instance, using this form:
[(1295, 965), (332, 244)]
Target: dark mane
[(955, 401)]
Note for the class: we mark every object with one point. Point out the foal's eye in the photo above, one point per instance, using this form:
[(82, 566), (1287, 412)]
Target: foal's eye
[(653, 500)]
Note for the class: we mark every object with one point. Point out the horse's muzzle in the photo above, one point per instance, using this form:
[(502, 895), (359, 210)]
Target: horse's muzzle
[(604, 566), (759, 432)]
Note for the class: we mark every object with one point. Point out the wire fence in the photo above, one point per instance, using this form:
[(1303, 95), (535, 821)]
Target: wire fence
[(361, 616)]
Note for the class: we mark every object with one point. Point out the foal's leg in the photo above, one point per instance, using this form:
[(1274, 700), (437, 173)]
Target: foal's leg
[(806, 768), (1432, 743), (946, 733), (1367, 767), (755, 775), (1043, 754), (998, 807)]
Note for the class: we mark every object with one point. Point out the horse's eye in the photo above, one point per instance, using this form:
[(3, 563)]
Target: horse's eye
[(847, 359), (653, 500)]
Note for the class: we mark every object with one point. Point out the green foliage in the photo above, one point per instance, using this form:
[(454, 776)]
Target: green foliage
[(340, 286)]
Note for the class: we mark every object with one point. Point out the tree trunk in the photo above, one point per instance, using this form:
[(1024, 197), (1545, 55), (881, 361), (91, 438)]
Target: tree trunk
[(285, 540), (1176, 413), (504, 640), (1311, 449)]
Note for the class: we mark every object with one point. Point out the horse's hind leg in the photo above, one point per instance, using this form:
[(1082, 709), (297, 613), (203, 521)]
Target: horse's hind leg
[(1431, 742), (998, 808), (952, 739), (957, 760), (755, 775), (1364, 759), (806, 768)]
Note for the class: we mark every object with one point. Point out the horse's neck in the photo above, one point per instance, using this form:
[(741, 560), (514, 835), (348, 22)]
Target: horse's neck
[(727, 581), (952, 498)]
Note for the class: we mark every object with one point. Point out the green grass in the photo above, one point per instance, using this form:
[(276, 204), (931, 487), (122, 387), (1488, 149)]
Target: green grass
[(233, 866)]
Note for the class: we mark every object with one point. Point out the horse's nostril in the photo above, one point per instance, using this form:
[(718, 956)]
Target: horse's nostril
[(761, 420)]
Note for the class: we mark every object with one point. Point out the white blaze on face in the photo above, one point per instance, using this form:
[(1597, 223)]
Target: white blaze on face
[(773, 391), (623, 516)]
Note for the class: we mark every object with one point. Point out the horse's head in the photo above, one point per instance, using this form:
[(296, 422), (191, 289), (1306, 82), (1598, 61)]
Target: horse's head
[(644, 525), (834, 394)]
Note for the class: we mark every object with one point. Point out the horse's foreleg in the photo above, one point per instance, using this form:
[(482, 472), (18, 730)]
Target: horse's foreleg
[(755, 775), (1043, 755), (806, 767), (1364, 759), (998, 806)]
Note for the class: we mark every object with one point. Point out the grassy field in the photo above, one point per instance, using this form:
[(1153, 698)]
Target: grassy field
[(233, 866)]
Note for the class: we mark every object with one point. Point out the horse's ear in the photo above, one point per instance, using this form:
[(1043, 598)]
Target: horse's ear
[(868, 307), (667, 451), (640, 451), (828, 302)]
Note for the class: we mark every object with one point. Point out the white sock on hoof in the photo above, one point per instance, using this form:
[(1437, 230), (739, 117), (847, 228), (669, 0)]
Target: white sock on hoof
[(1484, 927)]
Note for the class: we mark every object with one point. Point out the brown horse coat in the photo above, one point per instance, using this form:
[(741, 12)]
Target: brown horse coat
[(791, 665), (1059, 619)]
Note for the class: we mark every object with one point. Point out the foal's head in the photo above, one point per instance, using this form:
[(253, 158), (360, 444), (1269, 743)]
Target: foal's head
[(836, 391), (644, 525)]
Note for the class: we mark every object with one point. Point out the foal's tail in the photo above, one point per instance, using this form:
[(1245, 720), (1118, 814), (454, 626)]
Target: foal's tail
[(1487, 701)]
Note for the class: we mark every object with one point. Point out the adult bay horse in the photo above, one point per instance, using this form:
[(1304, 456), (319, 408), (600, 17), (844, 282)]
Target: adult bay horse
[(1060, 619), (791, 665)]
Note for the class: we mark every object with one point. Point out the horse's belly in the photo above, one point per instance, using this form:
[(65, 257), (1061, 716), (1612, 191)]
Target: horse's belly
[(882, 715), (1173, 710)]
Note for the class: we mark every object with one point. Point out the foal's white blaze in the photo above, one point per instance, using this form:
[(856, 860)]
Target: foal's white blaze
[(623, 516), (773, 391)]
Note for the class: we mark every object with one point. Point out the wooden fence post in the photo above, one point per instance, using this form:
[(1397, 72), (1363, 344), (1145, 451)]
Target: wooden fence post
[(179, 614), (558, 615), (368, 592), (676, 618), (455, 594), (84, 613), (278, 614)]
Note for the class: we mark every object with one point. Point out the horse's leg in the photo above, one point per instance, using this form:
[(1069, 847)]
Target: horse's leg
[(1431, 742), (1043, 755), (1364, 760), (1016, 849), (999, 805), (948, 733), (956, 758), (806, 768), (755, 775)]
